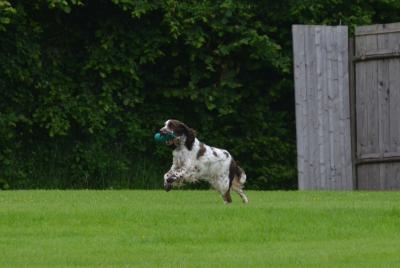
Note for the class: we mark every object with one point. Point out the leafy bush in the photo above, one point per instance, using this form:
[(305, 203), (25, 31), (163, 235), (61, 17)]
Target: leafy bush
[(84, 85)]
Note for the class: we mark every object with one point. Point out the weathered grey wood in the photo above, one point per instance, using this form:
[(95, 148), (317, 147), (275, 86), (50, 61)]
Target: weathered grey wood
[(347, 181), (332, 109), (394, 107), (324, 139), (353, 122), (392, 145), (319, 181), (322, 107), (368, 175), (377, 108), (372, 126), (378, 56), (362, 177), (311, 79), (377, 29), (392, 172), (395, 159), (361, 103), (300, 99), (368, 119), (383, 107)]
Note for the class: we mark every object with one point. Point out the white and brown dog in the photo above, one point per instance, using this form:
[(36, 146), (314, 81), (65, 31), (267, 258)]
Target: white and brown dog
[(194, 160)]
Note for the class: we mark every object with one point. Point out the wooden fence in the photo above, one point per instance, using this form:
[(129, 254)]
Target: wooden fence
[(377, 107), (322, 107), (348, 107)]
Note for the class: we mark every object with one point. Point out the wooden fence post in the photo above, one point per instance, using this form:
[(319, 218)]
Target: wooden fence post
[(321, 70)]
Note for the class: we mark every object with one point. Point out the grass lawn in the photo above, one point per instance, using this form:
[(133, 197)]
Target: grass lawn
[(195, 229)]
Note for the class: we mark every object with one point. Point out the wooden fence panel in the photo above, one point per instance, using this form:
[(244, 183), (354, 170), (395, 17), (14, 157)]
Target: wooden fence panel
[(322, 107), (377, 68)]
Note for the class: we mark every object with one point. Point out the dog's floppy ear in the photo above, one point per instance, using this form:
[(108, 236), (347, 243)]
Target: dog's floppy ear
[(180, 128), (190, 136)]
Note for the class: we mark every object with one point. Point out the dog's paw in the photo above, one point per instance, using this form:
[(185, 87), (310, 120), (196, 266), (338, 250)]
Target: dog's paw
[(168, 186)]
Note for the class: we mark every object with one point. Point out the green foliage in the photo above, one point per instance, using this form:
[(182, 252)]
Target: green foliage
[(64, 5), (84, 85), (6, 13)]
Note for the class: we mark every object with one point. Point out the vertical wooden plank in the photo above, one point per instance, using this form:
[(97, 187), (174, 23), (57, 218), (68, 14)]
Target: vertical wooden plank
[(362, 177), (391, 177), (373, 121), (352, 107), (320, 45), (322, 107), (312, 108), (361, 113), (367, 116), (345, 157), (389, 171), (373, 112), (392, 147), (371, 127), (333, 98), (330, 106), (375, 176), (300, 103), (383, 108), (394, 107), (340, 104), (325, 107), (309, 120), (394, 183), (361, 100)]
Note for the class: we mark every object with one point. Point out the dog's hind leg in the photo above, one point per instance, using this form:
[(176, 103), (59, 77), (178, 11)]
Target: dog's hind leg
[(238, 188), (242, 195), (227, 197), (222, 186)]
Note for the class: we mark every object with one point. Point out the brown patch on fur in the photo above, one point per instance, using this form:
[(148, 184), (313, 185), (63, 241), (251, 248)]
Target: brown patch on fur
[(227, 197), (201, 151), (190, 137), (214, 153), (234, 171), (180, 129), (236, 183)]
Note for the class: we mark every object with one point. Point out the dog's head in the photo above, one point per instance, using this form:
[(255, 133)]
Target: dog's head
[(184, 136)]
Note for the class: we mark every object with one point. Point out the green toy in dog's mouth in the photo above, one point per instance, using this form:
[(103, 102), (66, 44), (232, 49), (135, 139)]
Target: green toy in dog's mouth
[(165, 138)]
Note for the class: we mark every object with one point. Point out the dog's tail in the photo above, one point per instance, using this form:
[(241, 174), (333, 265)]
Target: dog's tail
[(241, 175), (236, 173)]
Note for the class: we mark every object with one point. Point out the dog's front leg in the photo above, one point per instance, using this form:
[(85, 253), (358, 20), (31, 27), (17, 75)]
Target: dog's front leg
[(173, 175)]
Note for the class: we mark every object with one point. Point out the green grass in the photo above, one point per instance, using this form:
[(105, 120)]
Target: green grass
[(195, 229)]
